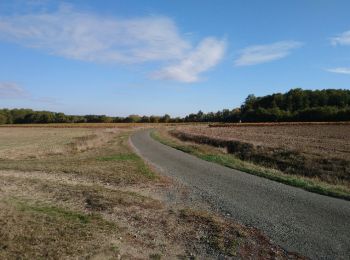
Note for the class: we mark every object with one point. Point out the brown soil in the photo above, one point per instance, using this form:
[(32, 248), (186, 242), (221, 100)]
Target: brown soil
[(323, 140)]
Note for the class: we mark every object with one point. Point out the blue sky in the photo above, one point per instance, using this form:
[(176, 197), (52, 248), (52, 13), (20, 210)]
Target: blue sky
[(176, 57)]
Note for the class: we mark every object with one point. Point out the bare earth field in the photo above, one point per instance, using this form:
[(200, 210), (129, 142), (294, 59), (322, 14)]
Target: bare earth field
[(331, 141), (83, 193), (317, 152)]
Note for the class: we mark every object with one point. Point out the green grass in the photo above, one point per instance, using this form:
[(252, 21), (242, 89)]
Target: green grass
[(155, 256), (145, 170), (119, 157), (57, 212), (228, 160)]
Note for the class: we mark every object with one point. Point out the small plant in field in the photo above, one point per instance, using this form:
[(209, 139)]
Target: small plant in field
[(119, 157), (155, 256)]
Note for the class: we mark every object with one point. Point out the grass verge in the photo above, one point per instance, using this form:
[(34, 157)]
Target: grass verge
[(215, 155)]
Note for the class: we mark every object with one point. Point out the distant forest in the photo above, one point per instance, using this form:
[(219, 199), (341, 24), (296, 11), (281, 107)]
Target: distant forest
[(295, 105)]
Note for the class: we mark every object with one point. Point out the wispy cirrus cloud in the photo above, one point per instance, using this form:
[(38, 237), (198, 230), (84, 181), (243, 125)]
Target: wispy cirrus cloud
[(341, 39), (207, 54), (94, 38), (257, 54), (10, 90), (340, 70)]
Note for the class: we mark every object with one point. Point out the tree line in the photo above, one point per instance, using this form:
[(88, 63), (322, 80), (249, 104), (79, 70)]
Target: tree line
[(295, 105), (29, 116)]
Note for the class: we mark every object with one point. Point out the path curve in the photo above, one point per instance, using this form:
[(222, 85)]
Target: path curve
[(313, 225)]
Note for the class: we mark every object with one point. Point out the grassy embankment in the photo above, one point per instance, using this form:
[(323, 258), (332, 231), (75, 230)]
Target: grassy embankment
[(220, 156)]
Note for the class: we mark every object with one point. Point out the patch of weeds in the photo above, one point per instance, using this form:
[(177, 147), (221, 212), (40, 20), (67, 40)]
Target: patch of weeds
[(145, 170), (96, 200), (59, 213), (96, 203), (186, 257), (155, 256), (218, 235), (119, 157), (115, 249), (54, 212)]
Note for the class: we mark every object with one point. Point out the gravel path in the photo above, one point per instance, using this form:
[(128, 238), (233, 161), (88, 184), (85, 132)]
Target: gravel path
[(313, 225)]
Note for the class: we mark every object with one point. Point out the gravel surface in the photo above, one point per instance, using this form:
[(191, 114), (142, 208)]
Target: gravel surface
[(313, 225)]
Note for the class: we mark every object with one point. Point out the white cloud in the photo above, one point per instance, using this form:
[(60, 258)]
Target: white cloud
[(9, 90), (207, 54), (340, 70), (94, 38), (257, 54), (341, 39)]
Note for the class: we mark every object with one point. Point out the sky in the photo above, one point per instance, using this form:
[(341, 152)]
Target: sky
[(159, 56)]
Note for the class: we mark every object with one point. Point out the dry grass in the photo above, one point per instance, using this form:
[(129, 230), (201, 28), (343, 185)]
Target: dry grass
[(97, 199), (18, 144), (30, 230)]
